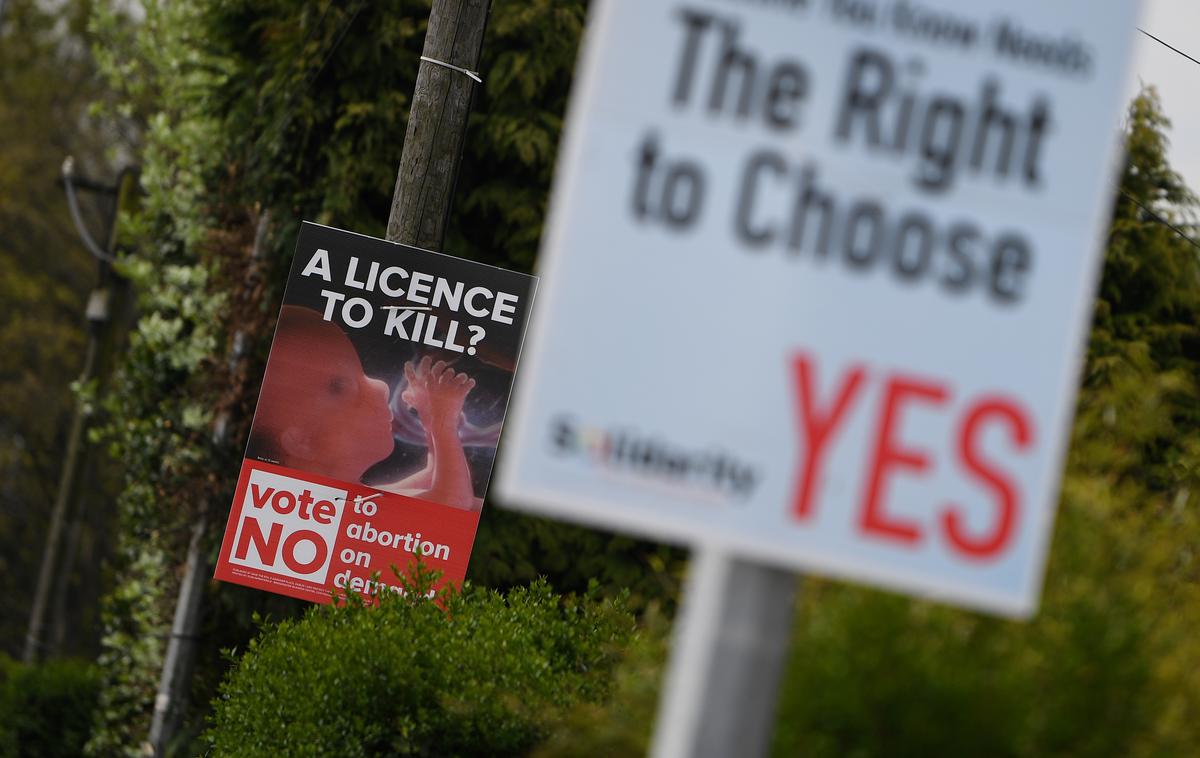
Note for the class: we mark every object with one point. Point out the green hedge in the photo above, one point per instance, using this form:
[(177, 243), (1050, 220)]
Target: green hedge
[(488, 675), (46, 710)]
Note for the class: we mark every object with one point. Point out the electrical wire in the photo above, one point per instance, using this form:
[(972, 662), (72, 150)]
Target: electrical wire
[(1133, 199), (1164, 44), (337, 41), (1160, 219), (284, 118)]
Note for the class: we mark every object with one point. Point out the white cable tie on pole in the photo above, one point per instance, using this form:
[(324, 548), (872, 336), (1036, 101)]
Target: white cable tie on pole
[(459, 69)]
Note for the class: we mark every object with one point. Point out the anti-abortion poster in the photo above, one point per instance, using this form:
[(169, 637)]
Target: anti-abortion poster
[(378, 418)]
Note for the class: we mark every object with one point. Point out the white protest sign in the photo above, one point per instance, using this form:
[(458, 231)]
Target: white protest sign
[(817, 282)]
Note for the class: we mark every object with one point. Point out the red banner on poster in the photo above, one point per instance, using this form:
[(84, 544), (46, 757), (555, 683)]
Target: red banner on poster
[(310, 536)]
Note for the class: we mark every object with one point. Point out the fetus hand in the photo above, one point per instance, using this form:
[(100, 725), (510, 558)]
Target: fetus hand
[(437, 392)]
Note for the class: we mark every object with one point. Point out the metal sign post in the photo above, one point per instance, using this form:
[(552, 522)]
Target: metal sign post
[(730, 649)]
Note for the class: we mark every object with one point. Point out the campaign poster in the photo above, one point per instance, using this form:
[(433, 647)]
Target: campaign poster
[(377, 422), (835, 263)]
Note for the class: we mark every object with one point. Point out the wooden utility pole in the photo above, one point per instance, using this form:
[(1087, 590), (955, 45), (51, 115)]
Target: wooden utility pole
[(437, 123)]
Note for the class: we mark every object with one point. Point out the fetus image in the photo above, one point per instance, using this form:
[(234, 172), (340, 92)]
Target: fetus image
[(318, 411)]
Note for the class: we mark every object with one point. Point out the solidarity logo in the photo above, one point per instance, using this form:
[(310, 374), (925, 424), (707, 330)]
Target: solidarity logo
[(288, 526), (647, 456)]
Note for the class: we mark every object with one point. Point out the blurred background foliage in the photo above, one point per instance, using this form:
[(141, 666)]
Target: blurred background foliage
[(48, 85), (248, 117), (46, 709)]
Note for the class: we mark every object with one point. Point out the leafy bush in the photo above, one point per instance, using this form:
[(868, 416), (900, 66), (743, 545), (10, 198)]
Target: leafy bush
[(475, 673), (46, 710)]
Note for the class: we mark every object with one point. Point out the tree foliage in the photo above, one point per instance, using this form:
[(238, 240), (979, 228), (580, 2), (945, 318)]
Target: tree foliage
[(47, 83)]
